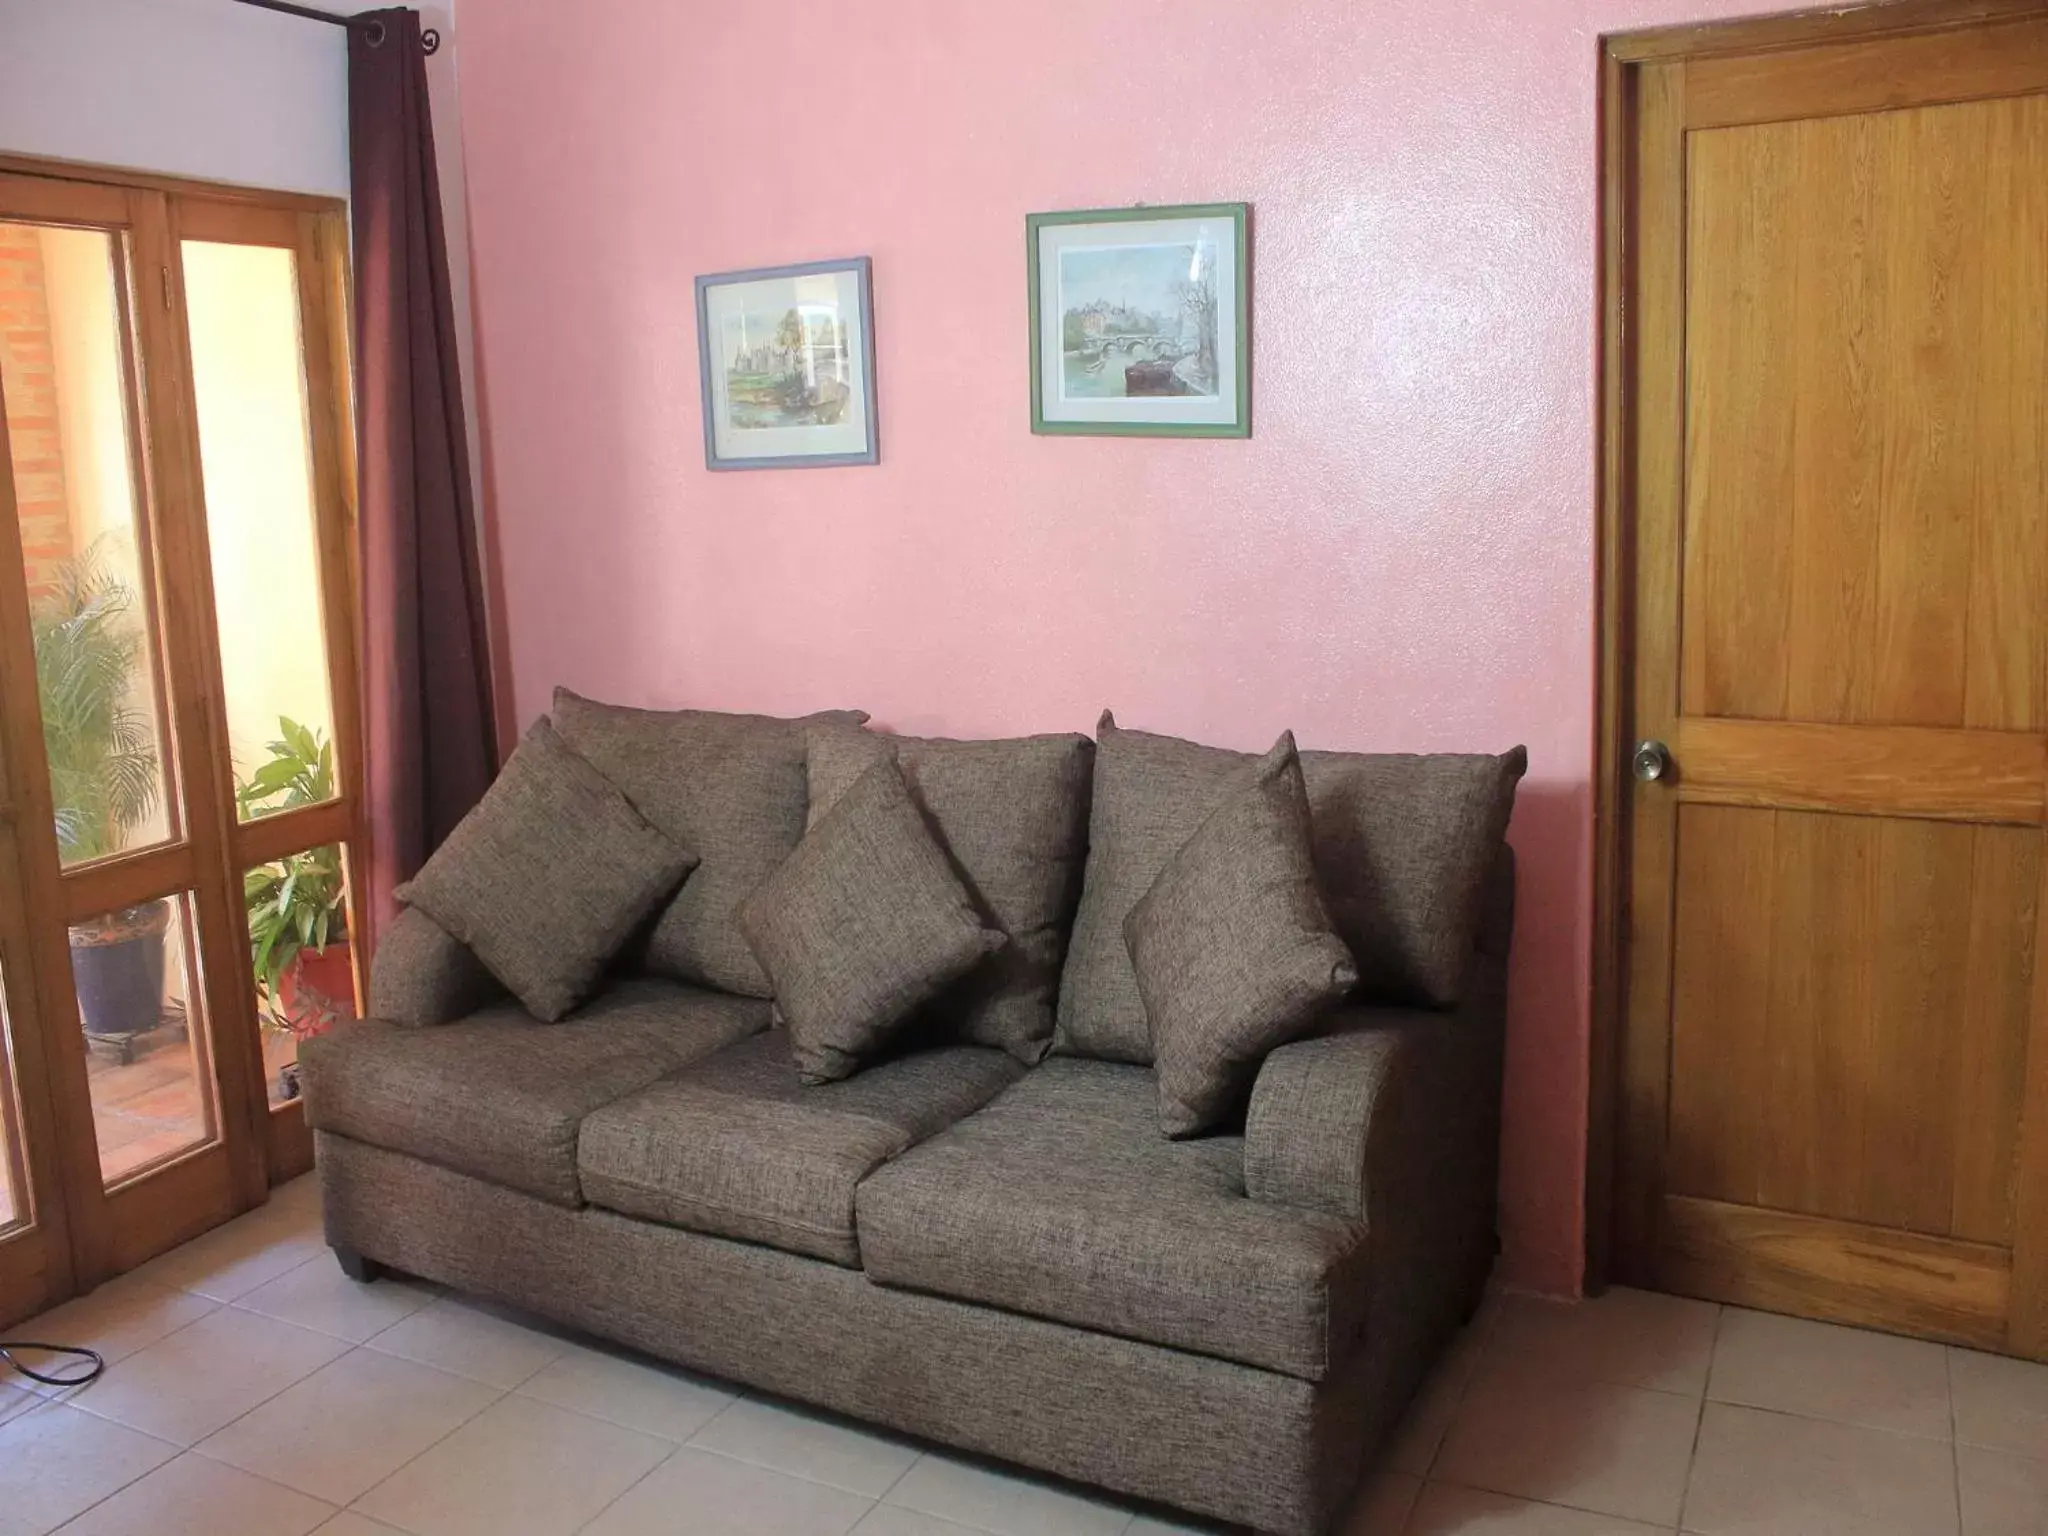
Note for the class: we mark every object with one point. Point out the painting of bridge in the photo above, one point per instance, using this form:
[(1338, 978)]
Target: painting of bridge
[(1138, 320)]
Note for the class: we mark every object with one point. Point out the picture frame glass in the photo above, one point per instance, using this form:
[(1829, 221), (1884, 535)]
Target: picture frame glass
[(1139, 321), (787, 370)]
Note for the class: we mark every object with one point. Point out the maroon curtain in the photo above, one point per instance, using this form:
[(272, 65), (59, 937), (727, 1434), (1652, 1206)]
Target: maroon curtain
[(429, 726)]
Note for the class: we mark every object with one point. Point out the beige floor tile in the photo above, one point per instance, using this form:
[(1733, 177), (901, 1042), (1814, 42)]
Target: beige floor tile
[(206, 1375), (349, 1523), (1610, 1449), (2002, 1495), (785, 1438), (519, 1468), (196, 1497), (319, 1296), (232, 1260), (15, 1401), (2001, 1403), (464, 1336), (890, 1520), (1633, 1338), (1443, 1509), (301, 1194), (1772, 1474), (57, 1462), (1382, 1506), (349, 1425), (1420, 1434), (989, 1498), (653, 1398), (122, 1316), (696, 1493), (1824, 1371)]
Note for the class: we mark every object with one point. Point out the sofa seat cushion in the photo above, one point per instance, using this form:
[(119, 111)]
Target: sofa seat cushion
[(737, 1147), (499, 1095), (1061, 1200)]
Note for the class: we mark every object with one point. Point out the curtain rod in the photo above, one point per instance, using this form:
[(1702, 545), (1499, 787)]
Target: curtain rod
[(430, 40)]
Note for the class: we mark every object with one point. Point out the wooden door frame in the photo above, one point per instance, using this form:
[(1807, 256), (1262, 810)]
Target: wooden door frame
[(1623, 59), (100, 1232)]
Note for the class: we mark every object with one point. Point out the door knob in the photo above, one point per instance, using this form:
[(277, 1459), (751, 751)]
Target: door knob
[(1651, 762)]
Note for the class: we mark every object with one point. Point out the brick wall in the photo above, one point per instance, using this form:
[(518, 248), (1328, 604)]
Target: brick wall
[(28, 380)]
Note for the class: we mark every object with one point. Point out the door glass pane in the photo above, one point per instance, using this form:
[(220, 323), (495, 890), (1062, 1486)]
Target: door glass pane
[(139, 998), (299, 947), (64, 373), (242, 310), (14, 1205)]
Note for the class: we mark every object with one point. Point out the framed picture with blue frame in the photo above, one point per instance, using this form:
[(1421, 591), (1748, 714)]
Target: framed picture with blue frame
[(1141, 321), (787, 360)]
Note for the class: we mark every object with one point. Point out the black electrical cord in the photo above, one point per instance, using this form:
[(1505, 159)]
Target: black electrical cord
[(95, 1363)]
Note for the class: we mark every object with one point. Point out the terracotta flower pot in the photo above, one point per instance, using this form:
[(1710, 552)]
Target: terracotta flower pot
[(318, 989)]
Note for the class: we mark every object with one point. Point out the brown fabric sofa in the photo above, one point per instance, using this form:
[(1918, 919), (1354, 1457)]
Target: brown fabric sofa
[(1007, 1258)]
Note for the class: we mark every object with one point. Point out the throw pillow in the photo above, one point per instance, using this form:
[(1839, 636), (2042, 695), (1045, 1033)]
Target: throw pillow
[(1233, 950), (864, 922), (728, 787), (548, 876), (1012, 815), (1403, 847)]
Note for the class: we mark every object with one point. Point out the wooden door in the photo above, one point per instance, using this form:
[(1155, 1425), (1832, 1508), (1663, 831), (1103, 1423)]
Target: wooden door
[(1834, 1057)]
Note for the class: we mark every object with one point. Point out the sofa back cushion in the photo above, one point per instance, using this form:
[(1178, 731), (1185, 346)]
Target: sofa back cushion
[(730, 788), (1402, 848), (1013, 817)]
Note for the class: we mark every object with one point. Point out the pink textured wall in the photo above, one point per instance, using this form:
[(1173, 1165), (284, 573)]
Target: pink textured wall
[(1400, 558)]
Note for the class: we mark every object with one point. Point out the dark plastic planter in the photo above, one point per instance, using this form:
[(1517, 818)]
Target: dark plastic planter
[(117, 966)]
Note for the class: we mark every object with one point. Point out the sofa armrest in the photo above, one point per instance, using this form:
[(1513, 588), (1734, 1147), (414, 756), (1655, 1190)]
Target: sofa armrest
[(422, 974), (1318, 1106)]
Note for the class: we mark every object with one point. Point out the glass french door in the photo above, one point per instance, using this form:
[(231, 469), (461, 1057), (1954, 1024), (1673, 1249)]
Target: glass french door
[(178, 751)]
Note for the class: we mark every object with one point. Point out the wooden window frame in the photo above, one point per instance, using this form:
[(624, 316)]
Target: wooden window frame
[(87, 1230)]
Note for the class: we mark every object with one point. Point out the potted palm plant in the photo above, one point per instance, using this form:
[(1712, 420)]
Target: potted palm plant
[(297, 905), (103, 784)]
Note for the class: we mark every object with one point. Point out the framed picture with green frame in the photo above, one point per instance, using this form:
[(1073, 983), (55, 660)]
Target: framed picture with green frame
[(1141, 321)]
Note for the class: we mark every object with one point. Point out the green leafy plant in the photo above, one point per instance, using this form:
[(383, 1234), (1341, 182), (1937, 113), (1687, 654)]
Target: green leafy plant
[(296, 903), (300, 772), (101, 750)]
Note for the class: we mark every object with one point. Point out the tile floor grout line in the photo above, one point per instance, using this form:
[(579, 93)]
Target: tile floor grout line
[(1407, 1515), (897, 1482), (1699, 1422), (390, 1354), (175, 1449), (54, 1394), (269, 1398), (51, 1394), (1955, 1448), (1817, 1418), (1479, 1353), (178, 1454), (762, 1466), (350, 1504), (671, 1456), (1524, 1498)]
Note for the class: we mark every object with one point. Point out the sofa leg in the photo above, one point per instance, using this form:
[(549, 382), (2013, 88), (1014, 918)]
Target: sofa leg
[(358, 1267)]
